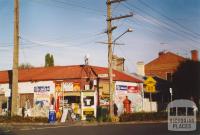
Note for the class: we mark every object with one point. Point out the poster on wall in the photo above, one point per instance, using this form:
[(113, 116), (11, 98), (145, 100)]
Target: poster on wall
[(129, 87), (76, 87), (58, 86), (121, 87), (42, 95), (67, 86), (133, 89)]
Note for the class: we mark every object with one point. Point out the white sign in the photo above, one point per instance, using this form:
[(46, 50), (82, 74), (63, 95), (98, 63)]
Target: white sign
[(105, 75), (67, 86)]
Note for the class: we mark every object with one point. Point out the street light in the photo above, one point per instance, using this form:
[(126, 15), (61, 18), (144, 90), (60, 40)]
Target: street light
[(114, 41), (110, 72)]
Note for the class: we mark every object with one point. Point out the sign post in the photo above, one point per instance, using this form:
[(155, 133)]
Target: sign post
[(150, 88)]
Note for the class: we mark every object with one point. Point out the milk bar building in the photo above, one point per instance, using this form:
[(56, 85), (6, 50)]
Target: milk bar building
[(83, 86)]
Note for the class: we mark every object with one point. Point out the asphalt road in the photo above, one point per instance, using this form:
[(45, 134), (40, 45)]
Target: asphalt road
[(110, 129)]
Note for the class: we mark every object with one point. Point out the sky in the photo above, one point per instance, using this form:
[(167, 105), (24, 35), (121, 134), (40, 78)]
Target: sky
[(70, 29)]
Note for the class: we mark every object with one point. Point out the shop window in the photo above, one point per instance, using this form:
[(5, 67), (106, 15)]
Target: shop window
[(72, 99)]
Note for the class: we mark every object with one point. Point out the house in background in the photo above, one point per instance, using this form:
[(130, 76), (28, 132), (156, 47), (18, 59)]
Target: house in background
[(166, 64), (162, 69)]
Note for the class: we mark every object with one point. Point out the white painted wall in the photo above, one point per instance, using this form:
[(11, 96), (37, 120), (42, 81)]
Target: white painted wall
[(28, 87), (4, 87), (136, 98)]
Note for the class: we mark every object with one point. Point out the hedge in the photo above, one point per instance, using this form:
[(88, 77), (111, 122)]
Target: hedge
[(141, 116), (6, 119)]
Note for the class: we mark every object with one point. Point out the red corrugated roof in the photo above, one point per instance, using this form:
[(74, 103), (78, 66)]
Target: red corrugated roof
[(64, 72)]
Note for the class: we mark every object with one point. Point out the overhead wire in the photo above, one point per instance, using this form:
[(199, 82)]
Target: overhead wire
[(167, 27), (170, 19)]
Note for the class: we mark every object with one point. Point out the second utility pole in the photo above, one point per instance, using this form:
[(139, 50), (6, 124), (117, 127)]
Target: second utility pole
[(110, 53), (14, 97), (109, 32)]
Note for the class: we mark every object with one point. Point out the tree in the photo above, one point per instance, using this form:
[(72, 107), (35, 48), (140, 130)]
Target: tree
[(49, 60), (25, 66), (186, 81)]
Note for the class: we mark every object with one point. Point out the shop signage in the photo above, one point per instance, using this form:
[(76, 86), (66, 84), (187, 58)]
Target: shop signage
[(77, 87), (121, 87), (133, 89), (41, 88), (105, 75), (42, 92), (67, 86), (88, 111), (58, 86), (102, 75)]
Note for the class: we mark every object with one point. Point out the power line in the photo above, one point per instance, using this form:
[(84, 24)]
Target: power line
[(170, 19), (80, 6), (167, 27)]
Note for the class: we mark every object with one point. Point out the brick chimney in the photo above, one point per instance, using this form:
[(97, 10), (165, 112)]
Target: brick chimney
[(194, 55), (140, 68), (161, 53)]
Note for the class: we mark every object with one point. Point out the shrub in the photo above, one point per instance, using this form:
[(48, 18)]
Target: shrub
[(6, 119), (141, 116)]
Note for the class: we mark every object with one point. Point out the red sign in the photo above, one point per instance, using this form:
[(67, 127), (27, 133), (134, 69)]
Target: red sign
[(133, 89)]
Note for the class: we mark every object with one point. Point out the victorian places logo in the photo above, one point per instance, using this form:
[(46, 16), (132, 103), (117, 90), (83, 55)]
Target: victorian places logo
[(182, 115)]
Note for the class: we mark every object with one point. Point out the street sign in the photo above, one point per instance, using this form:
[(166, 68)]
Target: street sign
[(150, 84), (105, 75)]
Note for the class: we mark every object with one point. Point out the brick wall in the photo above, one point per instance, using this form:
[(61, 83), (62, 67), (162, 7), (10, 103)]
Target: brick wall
[(165, 63)]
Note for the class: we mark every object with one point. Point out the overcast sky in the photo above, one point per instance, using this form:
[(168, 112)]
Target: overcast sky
[(70, 29)]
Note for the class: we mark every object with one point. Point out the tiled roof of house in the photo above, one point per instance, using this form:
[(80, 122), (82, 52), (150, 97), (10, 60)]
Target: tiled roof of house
[(64, 72)]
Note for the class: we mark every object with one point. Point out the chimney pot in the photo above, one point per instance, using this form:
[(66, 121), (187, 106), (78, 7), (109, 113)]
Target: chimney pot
[(161, 53), (194, 55)]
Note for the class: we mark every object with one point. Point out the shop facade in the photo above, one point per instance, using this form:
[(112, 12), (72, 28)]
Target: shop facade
[(81, 88)]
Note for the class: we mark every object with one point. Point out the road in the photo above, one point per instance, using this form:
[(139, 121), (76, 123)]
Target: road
[(108, 129)]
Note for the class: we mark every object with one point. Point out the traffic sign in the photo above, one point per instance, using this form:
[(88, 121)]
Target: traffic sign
[(150, 84)]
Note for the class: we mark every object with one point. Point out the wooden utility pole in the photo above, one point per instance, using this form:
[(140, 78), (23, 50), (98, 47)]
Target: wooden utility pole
[(14, 101), (109, 32), (110, 52)]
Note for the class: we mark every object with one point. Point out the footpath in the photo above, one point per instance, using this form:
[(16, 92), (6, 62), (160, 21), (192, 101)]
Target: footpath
[(37, 126)]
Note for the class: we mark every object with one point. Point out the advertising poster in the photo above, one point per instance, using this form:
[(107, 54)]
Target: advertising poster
[(42, 95), (133, 91), (76, 87), (68, 86), (58, 87)]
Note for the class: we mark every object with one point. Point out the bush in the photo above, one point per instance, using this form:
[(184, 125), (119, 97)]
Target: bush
[(6, 119), (141, 116)]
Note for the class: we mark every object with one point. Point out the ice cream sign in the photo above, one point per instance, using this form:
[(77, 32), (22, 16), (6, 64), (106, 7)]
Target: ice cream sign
[(121, 87), (129, 89)]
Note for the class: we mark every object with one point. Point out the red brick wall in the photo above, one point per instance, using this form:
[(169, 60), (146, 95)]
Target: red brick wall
[(166, 63)]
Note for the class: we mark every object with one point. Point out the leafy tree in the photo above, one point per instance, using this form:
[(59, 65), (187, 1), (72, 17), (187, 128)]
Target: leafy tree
[(49, 60), (25, 66), (186, 81)]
